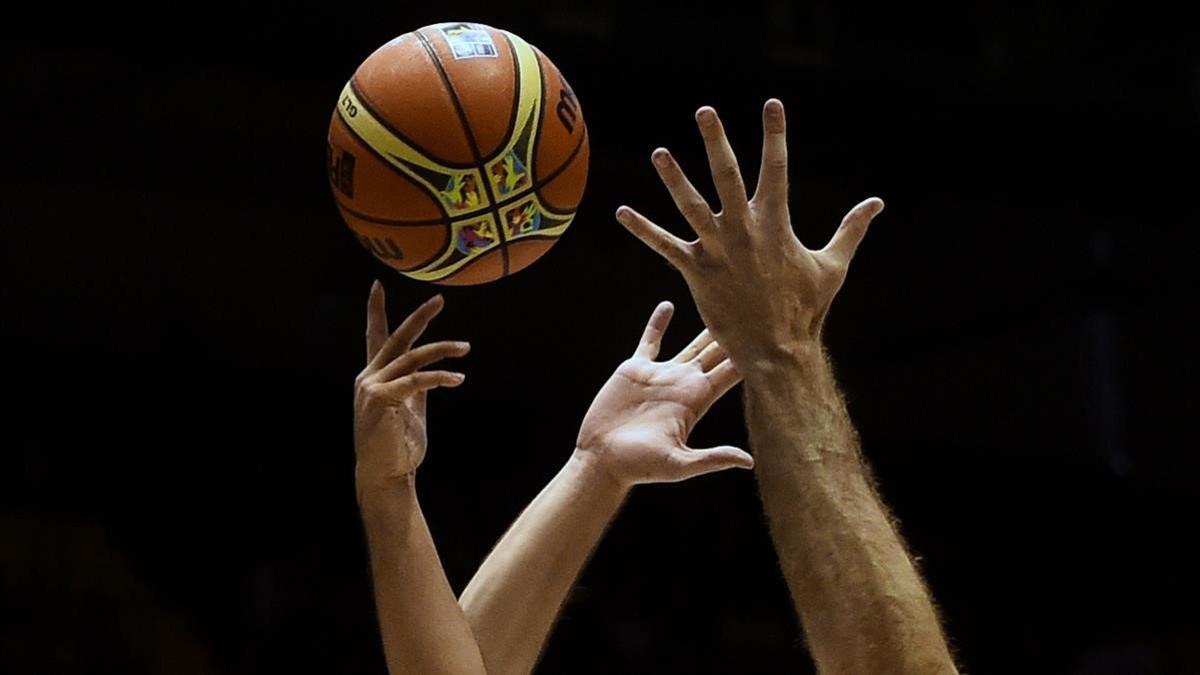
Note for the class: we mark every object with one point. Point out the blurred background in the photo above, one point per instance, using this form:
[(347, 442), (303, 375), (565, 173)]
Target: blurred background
[(183, 313)]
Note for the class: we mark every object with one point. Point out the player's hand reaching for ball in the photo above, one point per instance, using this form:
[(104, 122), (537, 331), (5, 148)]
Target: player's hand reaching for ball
[(758, 289), (389, 394), (636, 429)]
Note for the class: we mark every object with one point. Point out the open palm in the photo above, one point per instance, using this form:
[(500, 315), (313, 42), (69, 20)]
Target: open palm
[(639, 422)]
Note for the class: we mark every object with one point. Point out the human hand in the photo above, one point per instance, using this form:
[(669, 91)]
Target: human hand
[(390, 392), (758, 289), (637, 427)]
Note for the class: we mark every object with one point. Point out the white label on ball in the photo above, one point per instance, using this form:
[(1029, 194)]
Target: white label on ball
[(468, 41)]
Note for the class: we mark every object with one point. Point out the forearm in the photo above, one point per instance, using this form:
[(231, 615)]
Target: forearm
[(860, 598), (423, 627), (514, 598)]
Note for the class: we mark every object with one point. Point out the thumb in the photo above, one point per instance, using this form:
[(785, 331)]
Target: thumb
[(699, 461)]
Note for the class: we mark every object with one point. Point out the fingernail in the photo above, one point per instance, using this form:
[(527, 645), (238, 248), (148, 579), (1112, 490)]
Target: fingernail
[(623, 214), (661, 158), (706, 115), (457, 378), (465, 346)]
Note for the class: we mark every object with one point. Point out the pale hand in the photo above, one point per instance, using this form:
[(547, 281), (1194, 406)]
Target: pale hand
[(636, 429), (757, 287), (389, 394)]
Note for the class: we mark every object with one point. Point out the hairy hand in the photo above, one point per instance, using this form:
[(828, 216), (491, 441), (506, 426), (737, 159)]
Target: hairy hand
[(637, 427), (757, 287), (389, 394)]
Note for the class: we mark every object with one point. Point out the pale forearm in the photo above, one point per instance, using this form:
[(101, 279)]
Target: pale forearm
[(514, 598), (423, 628), (859, 595)]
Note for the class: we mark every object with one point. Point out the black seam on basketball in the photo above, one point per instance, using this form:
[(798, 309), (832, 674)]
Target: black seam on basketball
[(462, 119), (371, 249), (383, 121), (541, 116), (393, 167), (472, 261), (512, 115), (542, 237), (389, 222), (554, 174)]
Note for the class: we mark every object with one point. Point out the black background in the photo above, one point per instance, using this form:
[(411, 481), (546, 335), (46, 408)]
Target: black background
[(183, 317)]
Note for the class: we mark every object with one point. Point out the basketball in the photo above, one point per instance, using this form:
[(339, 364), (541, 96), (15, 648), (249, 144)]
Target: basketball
[(458, 154)]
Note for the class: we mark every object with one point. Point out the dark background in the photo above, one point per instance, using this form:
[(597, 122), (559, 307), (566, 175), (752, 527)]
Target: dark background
[(183, 317)]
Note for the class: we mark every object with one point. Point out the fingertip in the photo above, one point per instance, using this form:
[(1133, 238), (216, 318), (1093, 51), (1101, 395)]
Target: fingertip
[(665, 306), (376, 293), (773, 107), (455, 379), (661, 157), (706, 115), (624, 213)]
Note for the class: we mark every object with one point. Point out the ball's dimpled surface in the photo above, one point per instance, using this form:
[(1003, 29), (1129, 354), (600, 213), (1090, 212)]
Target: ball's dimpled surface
[(458, 153)]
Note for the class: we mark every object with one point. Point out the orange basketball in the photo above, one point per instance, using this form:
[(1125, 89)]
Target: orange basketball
[(458, 153)]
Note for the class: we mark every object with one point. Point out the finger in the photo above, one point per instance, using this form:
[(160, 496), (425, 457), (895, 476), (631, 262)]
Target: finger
[(688, 200), (711, 355), (723, 378), (694, 347), (420, 357), (727, 176), (422, 380), (674, 249), (376, 321), (852, 230), (772, 188), (407, 332), (697, 462), (652, 337)]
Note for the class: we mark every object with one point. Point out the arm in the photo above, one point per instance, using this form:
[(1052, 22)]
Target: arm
[(634, 432), (423, 627), (765, 296)]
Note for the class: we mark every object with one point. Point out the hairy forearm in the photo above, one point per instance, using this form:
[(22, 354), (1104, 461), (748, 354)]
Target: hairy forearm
[(860, 598), (514, 598), (423, 627)]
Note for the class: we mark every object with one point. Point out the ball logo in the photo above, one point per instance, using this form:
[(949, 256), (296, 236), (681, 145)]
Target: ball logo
[(567, 108), (383, 247), (341, 170), (467, 41)]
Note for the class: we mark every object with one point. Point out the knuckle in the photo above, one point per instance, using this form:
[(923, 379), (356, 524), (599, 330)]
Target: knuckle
[(697, 213), (729, 172)]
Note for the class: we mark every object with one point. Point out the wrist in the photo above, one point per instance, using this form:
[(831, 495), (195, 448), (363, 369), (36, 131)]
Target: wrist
[(589, 469), (371, 486), (772, 360)]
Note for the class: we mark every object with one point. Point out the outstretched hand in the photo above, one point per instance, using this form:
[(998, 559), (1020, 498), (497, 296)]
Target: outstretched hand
[(390, 392), (637, 427), (757, 287)]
